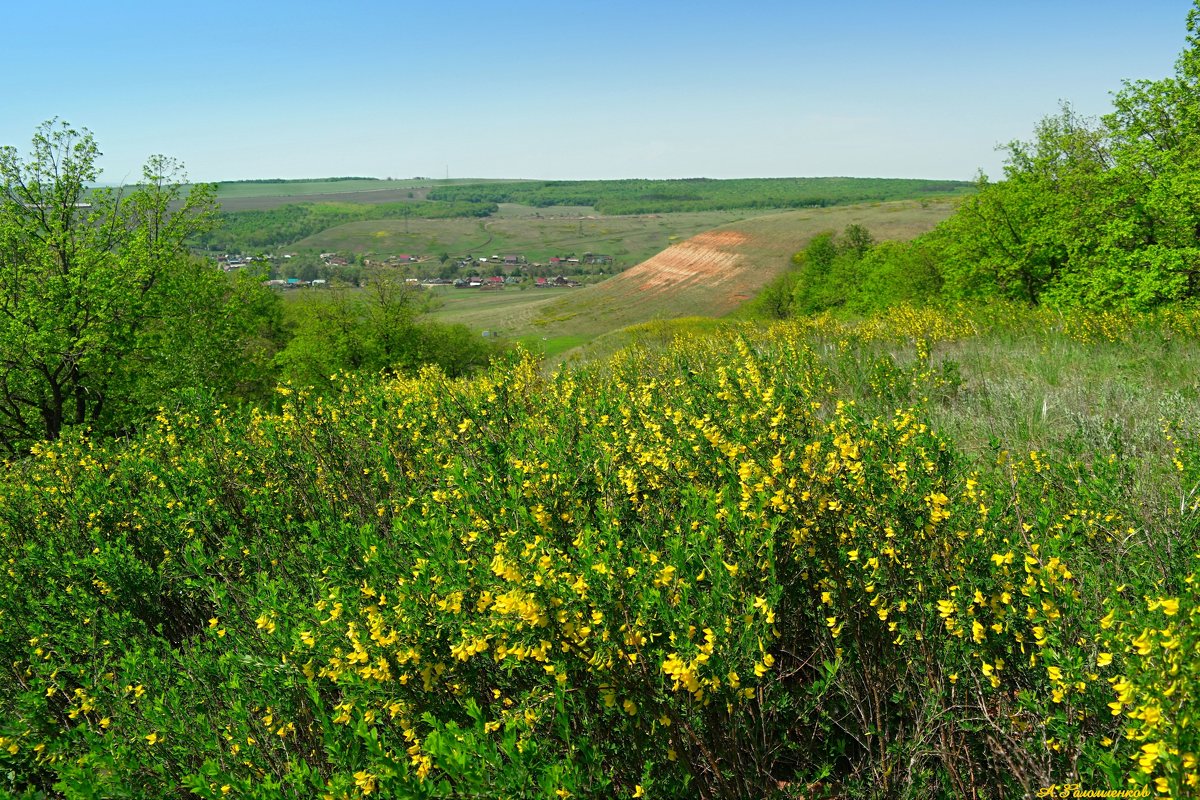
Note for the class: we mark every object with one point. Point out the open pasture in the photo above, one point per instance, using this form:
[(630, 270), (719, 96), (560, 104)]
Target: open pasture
[(510, 312)]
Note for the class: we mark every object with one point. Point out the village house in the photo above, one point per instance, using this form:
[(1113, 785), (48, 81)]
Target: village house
[(557, 282)]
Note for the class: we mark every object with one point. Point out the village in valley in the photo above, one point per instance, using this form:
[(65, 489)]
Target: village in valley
[(485, 273)]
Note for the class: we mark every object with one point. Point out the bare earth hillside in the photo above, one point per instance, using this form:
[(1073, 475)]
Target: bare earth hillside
[(704, 260)]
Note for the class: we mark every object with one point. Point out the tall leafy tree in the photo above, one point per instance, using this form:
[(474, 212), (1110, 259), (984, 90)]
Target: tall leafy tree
[(1155, 136), (102, 309), (1097, 213), (1018, 237)]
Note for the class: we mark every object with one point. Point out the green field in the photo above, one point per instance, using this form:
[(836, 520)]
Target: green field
[(302, 188), (511, 312), (641, 196)]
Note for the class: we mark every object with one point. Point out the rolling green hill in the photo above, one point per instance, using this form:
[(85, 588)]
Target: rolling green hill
[(267, 194)]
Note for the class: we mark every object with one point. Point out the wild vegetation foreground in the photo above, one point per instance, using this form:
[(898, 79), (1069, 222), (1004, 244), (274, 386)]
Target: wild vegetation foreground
[(740, 565)]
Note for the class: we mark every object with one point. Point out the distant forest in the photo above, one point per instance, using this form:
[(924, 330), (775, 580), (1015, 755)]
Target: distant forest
[(637, 196)]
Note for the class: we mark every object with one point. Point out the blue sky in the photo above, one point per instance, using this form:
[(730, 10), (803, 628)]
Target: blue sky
[(570, 89)]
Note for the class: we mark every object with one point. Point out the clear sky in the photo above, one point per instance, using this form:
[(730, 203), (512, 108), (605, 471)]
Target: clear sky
[(573, 88)]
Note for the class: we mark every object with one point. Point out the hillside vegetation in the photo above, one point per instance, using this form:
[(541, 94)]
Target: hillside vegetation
[(738, 566), (714, 273)]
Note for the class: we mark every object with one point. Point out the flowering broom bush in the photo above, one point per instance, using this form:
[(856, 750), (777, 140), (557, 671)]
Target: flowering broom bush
[(737, 566)]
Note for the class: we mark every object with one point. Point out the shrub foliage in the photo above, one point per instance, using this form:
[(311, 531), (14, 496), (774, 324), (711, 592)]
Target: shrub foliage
[(738, 566)]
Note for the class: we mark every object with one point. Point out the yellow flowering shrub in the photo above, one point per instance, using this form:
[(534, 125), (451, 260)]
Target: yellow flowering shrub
[(723, 566)]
